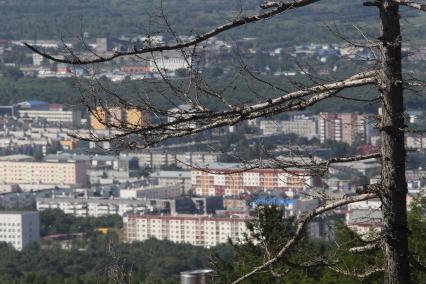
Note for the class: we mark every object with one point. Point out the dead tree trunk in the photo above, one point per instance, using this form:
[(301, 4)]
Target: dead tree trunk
[(394, 190)]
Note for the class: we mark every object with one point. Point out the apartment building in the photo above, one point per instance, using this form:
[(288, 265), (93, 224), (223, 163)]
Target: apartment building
[(185, 160), (166, 191), (94, 207), (271, 127), (301, 125), (102, 118), (227, 179), (68, 117), (169, 178), (169, 62), (206, 231), (349, 128), (60, 173), (19, 228)]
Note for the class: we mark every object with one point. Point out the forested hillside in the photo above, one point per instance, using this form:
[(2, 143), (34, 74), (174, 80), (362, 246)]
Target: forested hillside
[(42, 19)]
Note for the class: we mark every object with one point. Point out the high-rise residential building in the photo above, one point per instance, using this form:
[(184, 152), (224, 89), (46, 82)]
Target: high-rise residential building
[(16, 172), (226, 179), (204, 231), (350, 128), (19, 228), (71, 117), (131, 118)]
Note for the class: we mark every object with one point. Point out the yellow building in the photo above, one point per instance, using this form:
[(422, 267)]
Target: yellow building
[(136, 118), (98, 118), (131, 118)]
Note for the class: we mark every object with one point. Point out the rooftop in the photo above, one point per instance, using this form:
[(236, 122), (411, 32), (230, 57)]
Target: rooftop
[(17, 157), (172, 174), (82, 157), (17, 212)]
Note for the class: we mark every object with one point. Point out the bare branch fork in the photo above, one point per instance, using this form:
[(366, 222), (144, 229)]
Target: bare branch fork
[(300, 229)]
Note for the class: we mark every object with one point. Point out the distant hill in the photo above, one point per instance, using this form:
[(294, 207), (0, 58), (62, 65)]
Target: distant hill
[(53, 19)]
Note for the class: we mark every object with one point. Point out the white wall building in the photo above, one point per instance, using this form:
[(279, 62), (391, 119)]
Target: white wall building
[(72, 172), (169, 62), (169, 178), (72, 117), (156, 159), (19, 228), (94, 207), (204, 231), (169, 191), (301, 125)]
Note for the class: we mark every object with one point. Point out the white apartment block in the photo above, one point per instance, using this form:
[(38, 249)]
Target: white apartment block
[(270, 127), (94, 207), (169, 178), (302, 126), (167, 191), (206, 231), (72, 173), (155, 160), (169, 62), (19, 228), (72, 117)]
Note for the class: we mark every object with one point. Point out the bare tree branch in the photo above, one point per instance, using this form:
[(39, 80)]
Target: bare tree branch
[(368, 247), (195, 121), (412, 4), (356, 274)]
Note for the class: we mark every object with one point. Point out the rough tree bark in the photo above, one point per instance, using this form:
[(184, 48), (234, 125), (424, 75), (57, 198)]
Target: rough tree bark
[(393, 194)]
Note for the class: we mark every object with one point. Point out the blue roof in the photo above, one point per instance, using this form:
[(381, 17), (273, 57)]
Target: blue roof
[(33, 103), (277, 201), (37, 102)]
